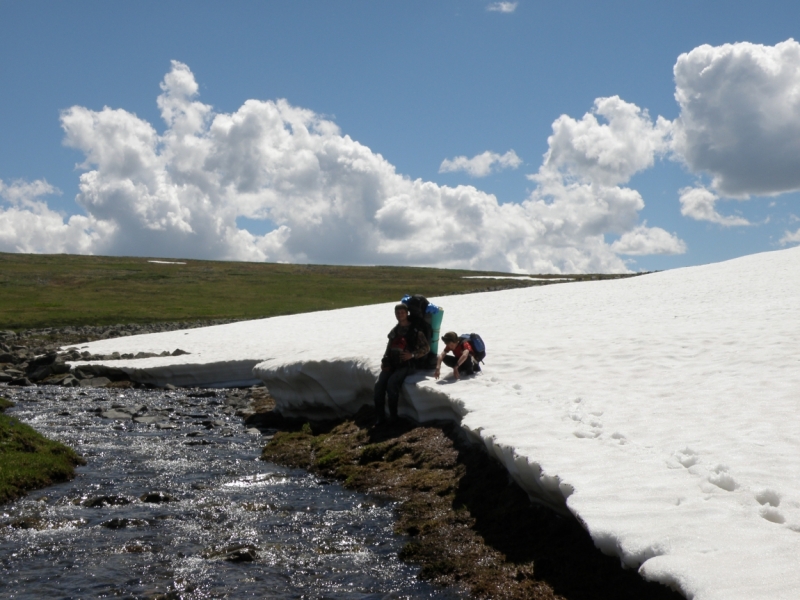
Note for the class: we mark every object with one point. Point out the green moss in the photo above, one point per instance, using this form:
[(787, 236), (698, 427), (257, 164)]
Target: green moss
[(372, 453), (5, 403), (330, 460), (28, 460)]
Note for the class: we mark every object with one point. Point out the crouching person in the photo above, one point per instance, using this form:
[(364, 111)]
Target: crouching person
[(463, 361), (406, 344)]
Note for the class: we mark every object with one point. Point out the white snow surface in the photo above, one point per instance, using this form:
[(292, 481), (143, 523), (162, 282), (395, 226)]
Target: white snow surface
[(660, 410)]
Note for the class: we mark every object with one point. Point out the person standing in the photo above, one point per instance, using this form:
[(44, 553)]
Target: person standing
[(463, 361), (406, 343)]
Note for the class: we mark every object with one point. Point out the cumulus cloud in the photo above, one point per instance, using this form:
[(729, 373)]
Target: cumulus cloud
[(586, 163), (698, 203), (482, 164), (740, 116), (332, 200), (644, 240), (607, 153), (503, 7), (28, 225)]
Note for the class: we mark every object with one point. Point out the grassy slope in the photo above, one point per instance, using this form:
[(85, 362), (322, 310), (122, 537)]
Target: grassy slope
[(28, 460), (39, 291)]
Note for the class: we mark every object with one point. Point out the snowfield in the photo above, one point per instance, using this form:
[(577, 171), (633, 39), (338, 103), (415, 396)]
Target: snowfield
[(662, 411)]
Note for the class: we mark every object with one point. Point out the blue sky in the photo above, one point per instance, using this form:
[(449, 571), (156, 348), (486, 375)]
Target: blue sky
[(414, 82)]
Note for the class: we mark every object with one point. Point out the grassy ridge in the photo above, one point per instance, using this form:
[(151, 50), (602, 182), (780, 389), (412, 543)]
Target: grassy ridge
[(39, 290), (28, 460)]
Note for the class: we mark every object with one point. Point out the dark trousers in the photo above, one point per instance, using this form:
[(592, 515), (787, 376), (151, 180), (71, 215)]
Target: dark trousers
[(389, 383), (468, 367)]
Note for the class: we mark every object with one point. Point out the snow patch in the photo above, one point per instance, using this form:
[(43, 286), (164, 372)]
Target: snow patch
[(658, 410)]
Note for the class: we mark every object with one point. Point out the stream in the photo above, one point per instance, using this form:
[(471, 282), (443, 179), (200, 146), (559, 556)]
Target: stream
[(174, 503)]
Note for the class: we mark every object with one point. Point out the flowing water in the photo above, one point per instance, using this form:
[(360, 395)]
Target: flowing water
[(174, 503)]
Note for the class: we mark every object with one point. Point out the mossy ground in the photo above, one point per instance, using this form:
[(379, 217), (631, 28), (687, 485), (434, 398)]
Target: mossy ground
[(467, 523), (28, 460)]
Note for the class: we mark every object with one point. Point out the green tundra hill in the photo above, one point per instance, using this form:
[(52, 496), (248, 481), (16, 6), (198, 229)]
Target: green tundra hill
[(57, 290)]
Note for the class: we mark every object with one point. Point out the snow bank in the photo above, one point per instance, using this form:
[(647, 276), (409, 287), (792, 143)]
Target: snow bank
[(660, 410)]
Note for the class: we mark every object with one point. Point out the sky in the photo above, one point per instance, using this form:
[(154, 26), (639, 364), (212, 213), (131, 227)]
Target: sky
[(524, 137)]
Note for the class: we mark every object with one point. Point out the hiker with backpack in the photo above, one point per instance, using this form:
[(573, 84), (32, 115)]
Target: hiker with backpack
[(468, 350), (407, 344)]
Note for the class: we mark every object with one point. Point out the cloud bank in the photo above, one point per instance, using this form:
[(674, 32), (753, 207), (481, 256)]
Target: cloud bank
[(331, 199)]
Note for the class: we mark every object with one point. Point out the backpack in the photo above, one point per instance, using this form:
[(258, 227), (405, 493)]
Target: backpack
[(417, 305), (421, 320), (477, 344)]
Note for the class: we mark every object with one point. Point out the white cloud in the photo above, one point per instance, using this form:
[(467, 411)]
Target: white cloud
[(698, 203), (482, 164), (503, 7), (28, 225), (607, 153), (23, 193), (790, 238), (179, 194), (648, 240), (740, 116)]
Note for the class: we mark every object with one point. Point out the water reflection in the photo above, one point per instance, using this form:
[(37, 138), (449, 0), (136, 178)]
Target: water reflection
[(173, 503)]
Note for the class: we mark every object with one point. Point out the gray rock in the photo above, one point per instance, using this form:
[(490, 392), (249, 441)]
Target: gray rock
[(149, 420), (55, 379), (242, 553), (5, 377), (95, 382), (59, 367), (102, 501), (21, 381), (117, 523), (116, 414), (40, 373), (157, 498), (70, 381)]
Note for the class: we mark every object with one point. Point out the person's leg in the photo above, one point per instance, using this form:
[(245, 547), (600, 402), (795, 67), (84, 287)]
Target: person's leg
[(380, 394), (393, 389), (466, 368)]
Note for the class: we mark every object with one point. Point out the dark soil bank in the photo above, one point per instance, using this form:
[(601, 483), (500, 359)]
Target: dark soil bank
[(469, 525)]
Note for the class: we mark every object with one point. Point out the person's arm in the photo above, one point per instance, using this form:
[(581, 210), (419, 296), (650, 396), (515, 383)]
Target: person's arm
[(422, 348), (439, 360), (464, 356), (385, 358)]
